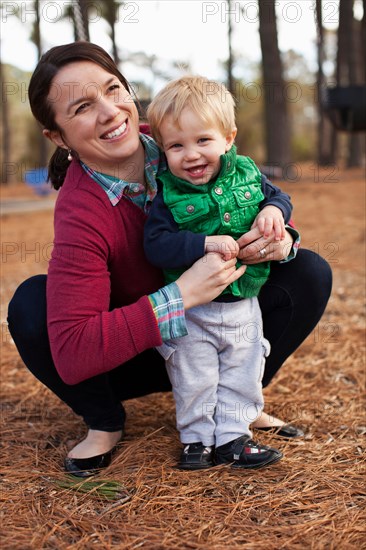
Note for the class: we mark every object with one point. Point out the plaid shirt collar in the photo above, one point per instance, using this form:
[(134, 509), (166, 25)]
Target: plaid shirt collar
[(116, 188)]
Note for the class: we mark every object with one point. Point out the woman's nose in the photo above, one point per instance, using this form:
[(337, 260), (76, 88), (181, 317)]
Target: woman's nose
[(108, 109)]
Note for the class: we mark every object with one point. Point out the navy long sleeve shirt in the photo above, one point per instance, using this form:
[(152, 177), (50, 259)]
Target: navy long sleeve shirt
[(168, 247)]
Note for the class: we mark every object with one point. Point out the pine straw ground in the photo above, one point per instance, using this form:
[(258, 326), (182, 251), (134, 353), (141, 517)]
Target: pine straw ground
[(312, 499)]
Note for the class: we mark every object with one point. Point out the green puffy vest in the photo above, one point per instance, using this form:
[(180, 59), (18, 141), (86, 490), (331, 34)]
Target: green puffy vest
[(224, 206)]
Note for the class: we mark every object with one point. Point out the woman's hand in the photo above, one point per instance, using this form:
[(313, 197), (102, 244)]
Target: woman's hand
[(222, 244), (254, 248), (207, 278)]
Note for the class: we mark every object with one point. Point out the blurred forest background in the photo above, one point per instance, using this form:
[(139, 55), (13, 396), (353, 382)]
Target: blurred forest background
[(287, 113)]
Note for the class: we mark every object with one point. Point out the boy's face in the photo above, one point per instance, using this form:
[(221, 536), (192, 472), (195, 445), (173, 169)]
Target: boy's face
[(193, 148)]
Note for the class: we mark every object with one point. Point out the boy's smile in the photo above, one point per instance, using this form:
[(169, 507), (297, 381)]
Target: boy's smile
[(193, 147)]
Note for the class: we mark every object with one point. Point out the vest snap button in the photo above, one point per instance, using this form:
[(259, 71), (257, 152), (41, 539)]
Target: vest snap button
[(247, 194), (190, 208), (218, 190), (227, 217)]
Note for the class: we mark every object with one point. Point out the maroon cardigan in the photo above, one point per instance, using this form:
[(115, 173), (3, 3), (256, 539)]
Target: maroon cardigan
[(98, 312)]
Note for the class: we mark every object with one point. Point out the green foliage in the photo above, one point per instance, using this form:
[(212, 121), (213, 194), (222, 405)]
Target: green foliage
[(301, 98), (249, 139), (101, 488), (23, 133)]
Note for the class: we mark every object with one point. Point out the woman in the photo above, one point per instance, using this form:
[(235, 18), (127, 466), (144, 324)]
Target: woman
[(106, 307)]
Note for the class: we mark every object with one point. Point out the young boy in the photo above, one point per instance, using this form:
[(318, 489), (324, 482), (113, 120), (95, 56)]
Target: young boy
[(210, 196)]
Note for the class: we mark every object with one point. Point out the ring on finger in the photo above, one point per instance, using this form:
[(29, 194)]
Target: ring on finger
[(263, 253)]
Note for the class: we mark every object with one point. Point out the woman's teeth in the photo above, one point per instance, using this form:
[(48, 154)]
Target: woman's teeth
[(116, 132)]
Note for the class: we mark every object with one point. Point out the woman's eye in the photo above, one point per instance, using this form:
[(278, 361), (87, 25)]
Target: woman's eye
[(81, 108), (115, 91)]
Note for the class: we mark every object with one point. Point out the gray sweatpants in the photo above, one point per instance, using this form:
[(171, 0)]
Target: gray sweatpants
[(216, 371)]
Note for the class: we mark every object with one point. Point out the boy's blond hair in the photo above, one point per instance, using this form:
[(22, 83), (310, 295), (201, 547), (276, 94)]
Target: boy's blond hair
[(208, 99)]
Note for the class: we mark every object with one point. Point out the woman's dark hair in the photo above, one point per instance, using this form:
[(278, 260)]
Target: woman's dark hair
[(39, 88)]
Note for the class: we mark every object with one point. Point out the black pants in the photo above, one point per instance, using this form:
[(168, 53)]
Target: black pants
[(292, 302)]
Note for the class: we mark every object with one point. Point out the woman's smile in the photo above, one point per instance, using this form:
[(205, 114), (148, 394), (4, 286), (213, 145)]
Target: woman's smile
[(115, 133), (97, 117)]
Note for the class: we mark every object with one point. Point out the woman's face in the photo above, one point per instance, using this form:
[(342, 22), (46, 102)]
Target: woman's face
[(97, 116)]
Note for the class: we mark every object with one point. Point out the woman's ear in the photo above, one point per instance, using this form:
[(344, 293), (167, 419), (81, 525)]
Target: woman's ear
[(55, 137), (230, 138)]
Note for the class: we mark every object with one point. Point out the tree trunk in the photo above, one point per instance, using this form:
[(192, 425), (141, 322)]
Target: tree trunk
[(36, 38), (230, 62), (6, 135), (350, 68), (276, 113), (327, 136), (36, 35), (110, 14), (357, 76), (114, 45)]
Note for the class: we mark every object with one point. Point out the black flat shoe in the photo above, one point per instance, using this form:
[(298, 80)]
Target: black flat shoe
[(243, 452), (196, 456), (87, 467), (286, 430)]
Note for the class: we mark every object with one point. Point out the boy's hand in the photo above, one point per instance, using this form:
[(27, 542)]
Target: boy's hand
[(270, 219), (222, 244)]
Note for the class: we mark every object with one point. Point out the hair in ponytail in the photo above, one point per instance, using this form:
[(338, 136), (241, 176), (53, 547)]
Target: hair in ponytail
[(39, 88), (57, 167)]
